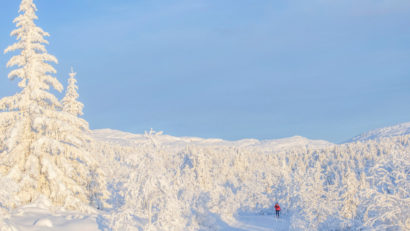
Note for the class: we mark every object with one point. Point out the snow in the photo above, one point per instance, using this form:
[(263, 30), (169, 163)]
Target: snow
[(59, 175), (43, 223), (397, 130), (42, 220), (129, 139), (199, 184), (35, 219), (258, 223)]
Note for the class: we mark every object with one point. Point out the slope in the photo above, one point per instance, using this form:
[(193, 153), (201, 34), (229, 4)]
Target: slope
[(392, 131)]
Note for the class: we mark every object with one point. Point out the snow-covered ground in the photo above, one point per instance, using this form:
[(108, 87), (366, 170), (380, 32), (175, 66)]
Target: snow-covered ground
[(258, 223), (397, 130), (37, 219)]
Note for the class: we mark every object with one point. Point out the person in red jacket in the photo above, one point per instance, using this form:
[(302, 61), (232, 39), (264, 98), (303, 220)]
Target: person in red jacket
[(277, 209)]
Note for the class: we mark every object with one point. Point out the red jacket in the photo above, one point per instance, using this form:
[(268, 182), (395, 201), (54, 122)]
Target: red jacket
[(277, 207)]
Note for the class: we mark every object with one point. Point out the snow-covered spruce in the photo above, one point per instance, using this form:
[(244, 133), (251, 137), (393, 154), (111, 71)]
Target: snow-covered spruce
[(70, 101), (44, 151), (80, 131)]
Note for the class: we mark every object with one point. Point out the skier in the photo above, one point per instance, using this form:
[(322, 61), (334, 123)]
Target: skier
[(277, 209)]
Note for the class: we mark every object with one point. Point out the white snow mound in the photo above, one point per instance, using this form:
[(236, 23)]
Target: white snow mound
[(43, 223)]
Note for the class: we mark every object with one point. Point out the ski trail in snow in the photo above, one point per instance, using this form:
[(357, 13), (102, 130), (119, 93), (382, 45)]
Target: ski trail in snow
[(258, 223)]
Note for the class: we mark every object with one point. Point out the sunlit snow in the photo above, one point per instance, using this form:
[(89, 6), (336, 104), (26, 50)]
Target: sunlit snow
[(56, 174)]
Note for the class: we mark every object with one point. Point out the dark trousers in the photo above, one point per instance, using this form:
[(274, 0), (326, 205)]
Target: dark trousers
[(277, 213)]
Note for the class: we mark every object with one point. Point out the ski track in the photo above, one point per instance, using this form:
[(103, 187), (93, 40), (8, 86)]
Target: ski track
[(258, 223)]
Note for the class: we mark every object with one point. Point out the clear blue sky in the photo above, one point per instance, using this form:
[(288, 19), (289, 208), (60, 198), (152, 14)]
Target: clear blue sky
[(230, 69)]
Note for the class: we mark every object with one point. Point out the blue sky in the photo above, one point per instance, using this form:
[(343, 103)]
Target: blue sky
[(230, 69)]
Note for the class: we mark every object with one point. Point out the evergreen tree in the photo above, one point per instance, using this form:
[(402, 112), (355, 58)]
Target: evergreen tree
[(79, 131), (70, 102), (43, 153), (349, 197)]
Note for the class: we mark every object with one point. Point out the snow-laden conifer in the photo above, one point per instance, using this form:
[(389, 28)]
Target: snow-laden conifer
[(33, 64), (70, 100), (79, 131), (44, 150)]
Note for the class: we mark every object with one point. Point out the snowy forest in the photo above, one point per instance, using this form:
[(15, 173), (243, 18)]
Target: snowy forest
[(51, 160)]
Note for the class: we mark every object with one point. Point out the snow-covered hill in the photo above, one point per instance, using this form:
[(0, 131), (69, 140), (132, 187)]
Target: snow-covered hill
[(129, 139), (396, 130)]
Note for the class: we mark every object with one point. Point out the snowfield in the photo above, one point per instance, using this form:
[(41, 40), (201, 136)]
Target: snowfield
[(36, 219), (41, 220)]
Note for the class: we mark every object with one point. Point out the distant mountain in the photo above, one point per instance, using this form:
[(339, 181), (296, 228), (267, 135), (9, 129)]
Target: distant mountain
[(158, 138), (397, 130)]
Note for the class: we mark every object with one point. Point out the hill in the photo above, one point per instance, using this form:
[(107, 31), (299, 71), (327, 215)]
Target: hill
[(392, 131)]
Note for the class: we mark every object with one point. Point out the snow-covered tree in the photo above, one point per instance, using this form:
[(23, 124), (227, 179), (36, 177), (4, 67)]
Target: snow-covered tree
[(349, 197), (44, 150), (33, 65), (70, 100), (79, 131)]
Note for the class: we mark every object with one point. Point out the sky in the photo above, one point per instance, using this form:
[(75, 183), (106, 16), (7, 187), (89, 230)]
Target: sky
[(231, 69)]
